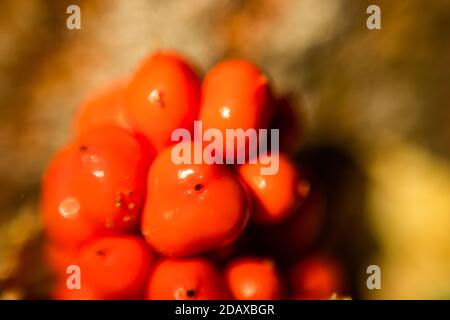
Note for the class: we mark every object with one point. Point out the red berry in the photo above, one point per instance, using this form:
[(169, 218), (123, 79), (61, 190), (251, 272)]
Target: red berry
[(95, 185), (62, 212), (186, 279), (275, 197), (316, 278), (253, 279), (61, 292), (116, 267), (105, 106), (163, 95), (235, 95), (113, 176), (192, 208)]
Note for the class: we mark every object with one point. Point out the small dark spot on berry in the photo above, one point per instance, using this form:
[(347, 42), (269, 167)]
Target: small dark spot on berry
[(119, 199), (198, 187), (100, 253), (191, 293), (83, 148)]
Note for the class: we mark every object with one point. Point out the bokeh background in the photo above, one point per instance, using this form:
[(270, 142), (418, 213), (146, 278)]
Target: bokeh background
[(375, 108)]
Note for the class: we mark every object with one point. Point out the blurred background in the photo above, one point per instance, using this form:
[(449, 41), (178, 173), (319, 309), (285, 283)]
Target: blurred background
[(375, 108)]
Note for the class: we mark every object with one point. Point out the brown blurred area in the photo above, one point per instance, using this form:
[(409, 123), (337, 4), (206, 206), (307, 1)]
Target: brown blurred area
[(375, 104)]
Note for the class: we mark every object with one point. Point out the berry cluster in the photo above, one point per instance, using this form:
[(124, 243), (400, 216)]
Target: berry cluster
[(139, 225)]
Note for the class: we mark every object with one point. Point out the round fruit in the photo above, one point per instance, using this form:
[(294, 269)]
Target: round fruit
[(63, 215), (253, 279), (105, 106), (95, 185), (235, 95), (61, 292), (186, 279), (113, 176), (191, 208), (163, 95), (116, 267), (316, 278), (275, 197)]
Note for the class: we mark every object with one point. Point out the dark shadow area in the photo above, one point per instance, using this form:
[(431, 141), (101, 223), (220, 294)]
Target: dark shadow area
[(346, 231)]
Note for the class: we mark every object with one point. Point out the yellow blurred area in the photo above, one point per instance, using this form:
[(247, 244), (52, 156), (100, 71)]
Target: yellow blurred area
[(409, 201)]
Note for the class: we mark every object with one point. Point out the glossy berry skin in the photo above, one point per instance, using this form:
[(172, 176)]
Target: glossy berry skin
[(105, 106), (316, 278), (163, 95), (116, 267), (186, 279), (63, 217), (235, 95), (275, 197), (61, 292), (113, 176), (253, 279), (191, 208), (95, 185)]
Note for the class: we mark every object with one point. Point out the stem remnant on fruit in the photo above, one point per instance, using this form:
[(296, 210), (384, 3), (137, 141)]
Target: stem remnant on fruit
[(190, 293), (155, 98)]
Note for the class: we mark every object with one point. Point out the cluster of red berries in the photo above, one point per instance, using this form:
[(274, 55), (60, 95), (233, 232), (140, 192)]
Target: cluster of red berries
[(140, 226)]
